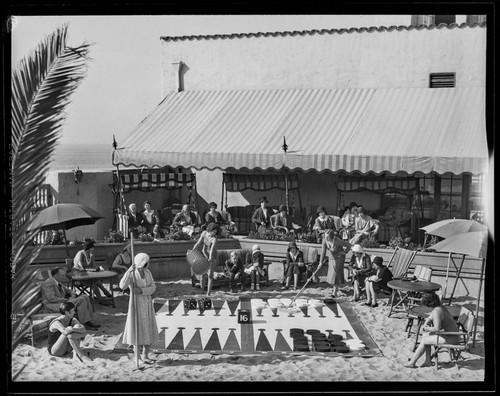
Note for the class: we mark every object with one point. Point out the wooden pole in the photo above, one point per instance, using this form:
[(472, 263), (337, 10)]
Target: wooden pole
[(134, 303)]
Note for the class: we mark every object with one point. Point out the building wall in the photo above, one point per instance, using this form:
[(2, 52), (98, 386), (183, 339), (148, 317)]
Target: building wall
[(93, 192), (399, 58)]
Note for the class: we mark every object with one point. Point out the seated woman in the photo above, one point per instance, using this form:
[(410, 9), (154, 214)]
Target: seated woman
[(377, 282), (294, 266), (254, 266), (213, 216), (365, 226), (439, 319), (123, 261), (281, 221), (323, 222), (151, 220), (84, 261), (361, 267), (348, 220), (65, 333)]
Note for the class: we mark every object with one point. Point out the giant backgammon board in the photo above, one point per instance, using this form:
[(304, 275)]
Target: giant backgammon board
[(248, 325)]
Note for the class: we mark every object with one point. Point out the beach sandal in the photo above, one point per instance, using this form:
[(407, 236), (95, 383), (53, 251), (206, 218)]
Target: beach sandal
[(374, 305), (430, 364), (368, 303)]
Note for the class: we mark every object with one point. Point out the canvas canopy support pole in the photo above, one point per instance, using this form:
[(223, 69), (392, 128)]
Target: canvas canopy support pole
[(478, 302), (134, 304), (222, 194)]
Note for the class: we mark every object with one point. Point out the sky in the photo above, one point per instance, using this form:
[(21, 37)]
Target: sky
[(122, 85)]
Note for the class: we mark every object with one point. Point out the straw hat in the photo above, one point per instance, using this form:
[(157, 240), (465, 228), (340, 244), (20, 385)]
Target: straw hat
[(140, 260)]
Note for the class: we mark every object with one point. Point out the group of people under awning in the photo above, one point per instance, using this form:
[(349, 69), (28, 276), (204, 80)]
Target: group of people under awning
[(151, 222), (354, 226)]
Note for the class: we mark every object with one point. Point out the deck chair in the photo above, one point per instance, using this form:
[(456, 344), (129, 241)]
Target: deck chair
[(400, 261), (399, 264), (465, 324)]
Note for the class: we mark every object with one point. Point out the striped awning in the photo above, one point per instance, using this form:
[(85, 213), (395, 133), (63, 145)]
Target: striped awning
[(378, 130), (259, 182), (401, 185), (153, 181)]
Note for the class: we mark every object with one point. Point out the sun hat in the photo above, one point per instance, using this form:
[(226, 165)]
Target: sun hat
[(357, 248), (321, 209), (140, 260), (263, 199), (378, 260), (255, 248)]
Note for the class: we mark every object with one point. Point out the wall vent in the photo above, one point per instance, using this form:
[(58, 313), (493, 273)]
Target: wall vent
[(442, 80)]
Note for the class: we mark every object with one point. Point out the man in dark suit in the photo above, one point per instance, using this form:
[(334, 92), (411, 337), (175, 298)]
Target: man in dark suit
[(135, 220), (54, 293)]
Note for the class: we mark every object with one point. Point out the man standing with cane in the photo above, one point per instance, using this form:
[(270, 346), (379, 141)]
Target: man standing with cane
[(141, 328)]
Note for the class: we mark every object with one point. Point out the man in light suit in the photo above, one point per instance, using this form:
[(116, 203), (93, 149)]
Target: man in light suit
[(54, 293)]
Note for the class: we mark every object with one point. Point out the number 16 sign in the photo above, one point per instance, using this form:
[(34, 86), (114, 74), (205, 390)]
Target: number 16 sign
[(244, 316)]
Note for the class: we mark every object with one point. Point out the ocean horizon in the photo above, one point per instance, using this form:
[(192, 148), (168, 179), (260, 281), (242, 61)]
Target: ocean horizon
[(69, 157)]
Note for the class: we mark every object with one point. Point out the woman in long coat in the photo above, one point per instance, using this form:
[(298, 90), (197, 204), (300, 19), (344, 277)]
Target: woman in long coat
[(141, 283), (335, 249)]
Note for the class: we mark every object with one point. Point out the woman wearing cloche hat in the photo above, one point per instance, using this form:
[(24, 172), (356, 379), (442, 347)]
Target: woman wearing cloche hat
[(294, 265), (262, 216), (141, 283)]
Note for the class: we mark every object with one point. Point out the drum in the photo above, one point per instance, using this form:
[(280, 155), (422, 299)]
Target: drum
[(198, 262)]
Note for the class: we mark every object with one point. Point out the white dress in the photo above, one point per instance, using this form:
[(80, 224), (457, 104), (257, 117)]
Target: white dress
[(147, 326)]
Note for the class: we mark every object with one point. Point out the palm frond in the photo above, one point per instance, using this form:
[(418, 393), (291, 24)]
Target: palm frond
[(42, 86)]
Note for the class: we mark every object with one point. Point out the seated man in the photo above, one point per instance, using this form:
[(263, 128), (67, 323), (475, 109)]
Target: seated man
[(234, 269), (186, 220), (261, 218), (135, 220), (281, 221), (54, 293)]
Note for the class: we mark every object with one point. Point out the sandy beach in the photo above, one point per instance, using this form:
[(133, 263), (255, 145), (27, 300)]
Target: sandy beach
[(35, 364)]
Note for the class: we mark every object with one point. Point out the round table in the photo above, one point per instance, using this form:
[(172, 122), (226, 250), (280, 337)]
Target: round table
[(92, 277), (401, 288), (421, 312)]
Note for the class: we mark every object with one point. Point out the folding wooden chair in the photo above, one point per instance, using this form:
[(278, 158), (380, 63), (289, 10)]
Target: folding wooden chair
[(399, 263), (79, 286), (465, 324), (424, 274)]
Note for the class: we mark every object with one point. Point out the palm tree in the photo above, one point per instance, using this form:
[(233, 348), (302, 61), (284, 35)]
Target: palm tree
[(42, 85)]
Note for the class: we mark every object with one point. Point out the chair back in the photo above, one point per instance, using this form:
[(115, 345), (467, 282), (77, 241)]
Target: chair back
[(423, 273), (466, 320), (310, 253), (69, 264), (401, 261)]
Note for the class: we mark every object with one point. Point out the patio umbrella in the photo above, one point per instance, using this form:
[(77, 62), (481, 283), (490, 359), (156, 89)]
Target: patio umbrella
[(450, 227), (473, 244), (447, 228), (64, 216)]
